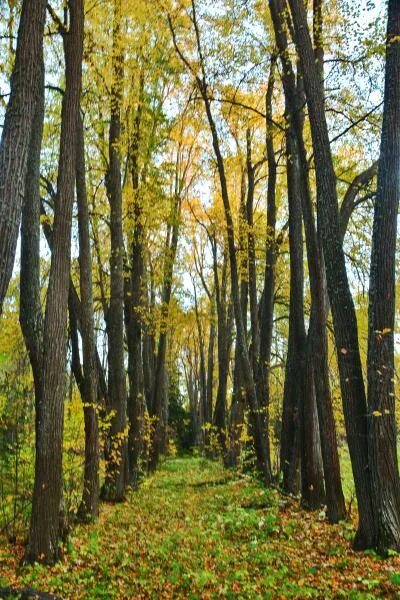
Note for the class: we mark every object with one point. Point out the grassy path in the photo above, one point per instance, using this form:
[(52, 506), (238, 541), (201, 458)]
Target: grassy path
[(194, 530)]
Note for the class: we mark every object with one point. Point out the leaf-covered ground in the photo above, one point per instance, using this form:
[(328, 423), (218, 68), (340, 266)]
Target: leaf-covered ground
[(194, 530)]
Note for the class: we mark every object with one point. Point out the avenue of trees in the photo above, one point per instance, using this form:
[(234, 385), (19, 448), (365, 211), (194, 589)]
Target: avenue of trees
[(198, 230)]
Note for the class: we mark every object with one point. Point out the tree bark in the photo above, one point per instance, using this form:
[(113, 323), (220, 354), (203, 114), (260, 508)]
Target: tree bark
[(223, 344), (382, 440), (208, 408), (343, 311), (89, 507), (134, 304), (316, 358), (117, 464), (238, 404), (74, 306), (267, 299), (31, 317), (43, 544), (295, 361), (16, 134), (159, 428)]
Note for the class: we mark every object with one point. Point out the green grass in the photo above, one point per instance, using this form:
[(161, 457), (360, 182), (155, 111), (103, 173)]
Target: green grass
[(194, 530)]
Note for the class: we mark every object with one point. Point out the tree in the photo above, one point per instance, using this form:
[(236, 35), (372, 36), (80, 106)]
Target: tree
[(89, 507), (43, 544), (117, 464), (344, 317), (257, 422), (317, 387), (25, 94), (382, 444)]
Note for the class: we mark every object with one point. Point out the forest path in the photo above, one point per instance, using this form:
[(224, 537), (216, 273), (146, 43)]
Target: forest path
[(194, 530)]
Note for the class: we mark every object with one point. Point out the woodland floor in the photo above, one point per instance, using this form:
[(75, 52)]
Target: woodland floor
[(194, 530)]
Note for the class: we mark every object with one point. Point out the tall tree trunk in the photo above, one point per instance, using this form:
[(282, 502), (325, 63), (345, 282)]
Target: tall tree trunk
[(295, 361), (16, 134), (199, 431), (312, 476), (343, 311), (317, 349), (238, 404), (158, 404), (317, 334), (208, 408), (89, 507), (31, 317), (134, 304), (382, 441), (149, 356), (117, 465), (223, 343), (267, 299), (74, 306), (43, 544), (251, 258)]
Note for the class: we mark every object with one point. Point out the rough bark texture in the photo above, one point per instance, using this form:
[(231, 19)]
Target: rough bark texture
[(238, 403), (74, 306), (208, 408), (31, 317), (117, 464), (317, 381), (16, 134), (295, 360), (223, 344), (43, 544), (267, 300), (89, 507), (134, 305), (382, 446), (158, 404), (343, 312)]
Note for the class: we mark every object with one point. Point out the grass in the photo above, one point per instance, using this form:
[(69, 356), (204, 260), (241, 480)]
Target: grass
[(194, 530)]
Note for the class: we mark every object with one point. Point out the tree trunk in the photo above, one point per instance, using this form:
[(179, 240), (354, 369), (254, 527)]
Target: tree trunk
[(43, 544), (199, 430), (256, 418), (267, 299), (343, 311), (134, 304), (208, 408), (246, 254), (31, 317), (295, 361), (158, 404), (382, 441), (117, 465), (74, 306), (251, 260), (317, 348), (89, 507), (223, 343), (16, 133)]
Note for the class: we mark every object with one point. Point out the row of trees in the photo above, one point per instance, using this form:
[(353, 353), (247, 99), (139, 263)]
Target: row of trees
[(179, 123)]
